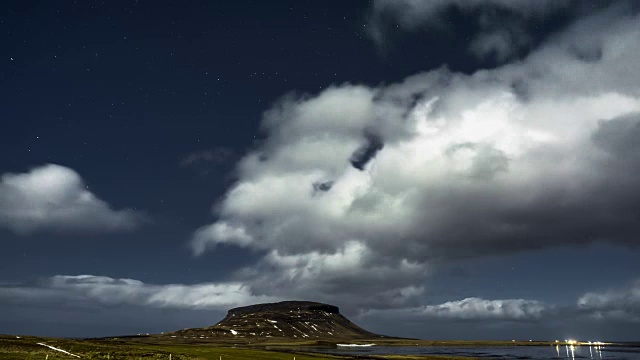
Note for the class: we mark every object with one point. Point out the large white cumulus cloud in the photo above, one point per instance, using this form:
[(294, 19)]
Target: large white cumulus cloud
[(53, 197), (442, 165)]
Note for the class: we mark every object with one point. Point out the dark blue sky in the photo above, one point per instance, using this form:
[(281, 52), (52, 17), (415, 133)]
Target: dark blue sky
[(151, 112)]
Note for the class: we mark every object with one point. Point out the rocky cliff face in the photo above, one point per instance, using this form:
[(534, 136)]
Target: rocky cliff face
[(301, 320)]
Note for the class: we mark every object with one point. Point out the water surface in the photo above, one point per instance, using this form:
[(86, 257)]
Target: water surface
[(499, 352)]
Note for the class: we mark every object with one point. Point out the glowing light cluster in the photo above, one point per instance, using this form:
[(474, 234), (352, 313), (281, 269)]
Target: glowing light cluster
[(576, 342)]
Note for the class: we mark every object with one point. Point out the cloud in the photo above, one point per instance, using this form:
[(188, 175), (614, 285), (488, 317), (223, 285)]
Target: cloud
[(105, 290), (352, 269), (471, 309), (502, 24), (388, 304), (622, 304), (217, 155), (54, 198), (416, 12), (500, 44), (442, 166), (478, 309)]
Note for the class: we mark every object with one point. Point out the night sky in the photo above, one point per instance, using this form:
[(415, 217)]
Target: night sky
[(437, 169)]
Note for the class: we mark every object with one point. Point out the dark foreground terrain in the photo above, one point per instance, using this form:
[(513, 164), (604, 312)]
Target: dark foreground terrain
[(155, 347), (285, 330), (146, 348)]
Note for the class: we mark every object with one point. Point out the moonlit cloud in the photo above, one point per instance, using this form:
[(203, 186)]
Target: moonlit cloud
[(530, 155), (622, 304), (353, 269), (109, 291), (501, 44), (204, 161), (471, 309), (54, 198), (501, 23), (211, 155), (478, 309), (414, 12)]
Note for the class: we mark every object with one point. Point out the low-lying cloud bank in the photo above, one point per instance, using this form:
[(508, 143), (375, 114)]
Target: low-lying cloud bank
[(481, 309), (358, 190), (620, 305), (54, 198), (103, 290), (471, 309)]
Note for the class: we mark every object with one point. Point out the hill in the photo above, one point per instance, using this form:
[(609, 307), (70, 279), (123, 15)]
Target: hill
[(301, 320)]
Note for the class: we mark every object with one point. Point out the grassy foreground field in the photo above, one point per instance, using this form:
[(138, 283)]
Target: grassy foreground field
[(21, 348)]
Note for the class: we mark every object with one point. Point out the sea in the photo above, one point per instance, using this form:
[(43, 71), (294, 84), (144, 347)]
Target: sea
[(613, 352)]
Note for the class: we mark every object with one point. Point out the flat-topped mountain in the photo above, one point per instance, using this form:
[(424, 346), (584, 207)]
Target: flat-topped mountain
[(303, 320), (284, 306)]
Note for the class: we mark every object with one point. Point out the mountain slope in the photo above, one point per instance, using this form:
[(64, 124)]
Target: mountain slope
[(303, 320)]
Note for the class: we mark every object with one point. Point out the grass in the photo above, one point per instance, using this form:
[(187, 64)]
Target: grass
[(23, 348)]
